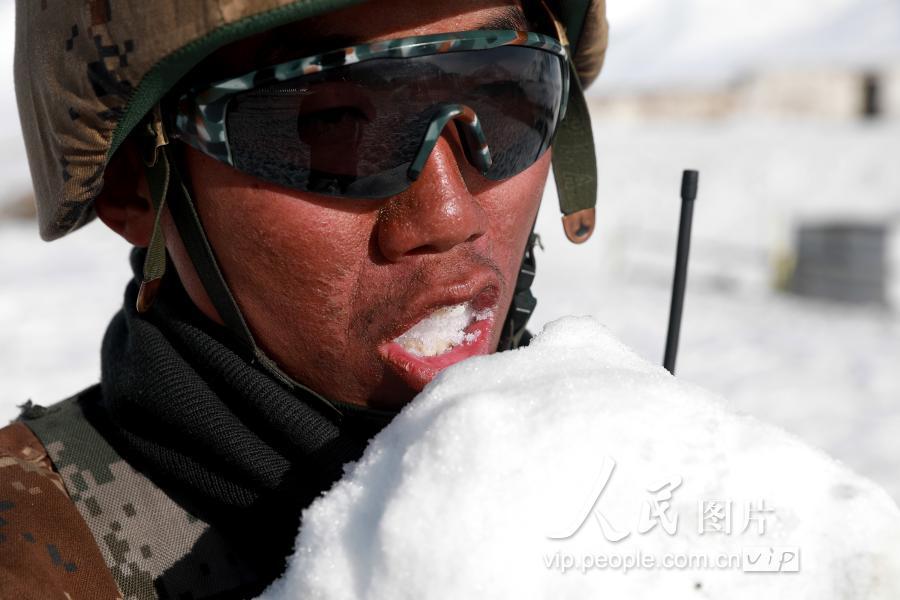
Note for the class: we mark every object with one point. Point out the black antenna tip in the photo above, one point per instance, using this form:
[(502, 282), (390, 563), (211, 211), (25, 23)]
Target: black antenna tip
[(689, 182)]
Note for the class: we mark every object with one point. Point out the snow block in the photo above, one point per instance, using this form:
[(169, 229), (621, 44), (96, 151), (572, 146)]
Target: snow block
[(575, 469)]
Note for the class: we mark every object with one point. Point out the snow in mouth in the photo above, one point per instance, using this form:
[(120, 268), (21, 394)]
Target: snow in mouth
[(442, 330)]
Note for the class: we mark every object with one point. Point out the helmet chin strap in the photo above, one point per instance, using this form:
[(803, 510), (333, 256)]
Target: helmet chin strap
[(574, 158), (523, 302), (167, 187), (575, 166)]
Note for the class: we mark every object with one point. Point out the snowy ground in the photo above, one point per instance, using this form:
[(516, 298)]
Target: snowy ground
[(826, 372)]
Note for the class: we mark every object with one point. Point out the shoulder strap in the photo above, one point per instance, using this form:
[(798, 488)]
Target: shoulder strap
[(46, 548)]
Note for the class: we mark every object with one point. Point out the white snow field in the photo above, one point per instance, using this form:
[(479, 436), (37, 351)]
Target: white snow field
[(658, 44), (534, 473)]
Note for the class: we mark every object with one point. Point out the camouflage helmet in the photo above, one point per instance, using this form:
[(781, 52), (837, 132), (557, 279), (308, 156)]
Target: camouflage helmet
[(88, 72)]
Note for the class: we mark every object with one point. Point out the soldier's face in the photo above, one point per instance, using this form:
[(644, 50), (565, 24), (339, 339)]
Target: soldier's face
[(326, 284)]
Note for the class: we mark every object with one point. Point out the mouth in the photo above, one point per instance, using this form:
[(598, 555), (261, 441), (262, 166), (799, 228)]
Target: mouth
[(443, 337), (444, 329)]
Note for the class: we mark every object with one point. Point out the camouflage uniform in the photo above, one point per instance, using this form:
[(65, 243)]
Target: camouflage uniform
[(111, 532), (41, 532)]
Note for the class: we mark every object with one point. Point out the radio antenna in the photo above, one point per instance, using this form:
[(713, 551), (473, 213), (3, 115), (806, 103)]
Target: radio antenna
[(689, 182)]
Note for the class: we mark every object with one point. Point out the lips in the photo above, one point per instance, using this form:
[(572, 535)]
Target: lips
[(448, 331)]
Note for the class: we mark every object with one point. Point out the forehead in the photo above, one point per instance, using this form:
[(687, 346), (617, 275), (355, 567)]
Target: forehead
[(368, 22)]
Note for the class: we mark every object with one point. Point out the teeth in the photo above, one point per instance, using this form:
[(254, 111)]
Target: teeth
[(442, 330)]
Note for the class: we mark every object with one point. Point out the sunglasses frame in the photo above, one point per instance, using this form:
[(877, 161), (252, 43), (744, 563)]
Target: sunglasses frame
[(200, 114)]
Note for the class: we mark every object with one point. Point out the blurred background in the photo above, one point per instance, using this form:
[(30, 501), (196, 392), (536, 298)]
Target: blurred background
[(791, 112)]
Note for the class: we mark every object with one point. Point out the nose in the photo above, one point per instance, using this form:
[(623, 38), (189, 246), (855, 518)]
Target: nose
[(436, 213)]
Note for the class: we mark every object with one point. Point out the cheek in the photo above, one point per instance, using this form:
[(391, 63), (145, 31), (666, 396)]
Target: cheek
[(512, 206), (291, 262)]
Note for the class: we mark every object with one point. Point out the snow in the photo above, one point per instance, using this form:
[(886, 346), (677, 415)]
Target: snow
[(442, 330), (711, 43), (827, 372), (55, 303), (495, 481)]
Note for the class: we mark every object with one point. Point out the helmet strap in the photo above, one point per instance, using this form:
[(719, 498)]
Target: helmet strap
[(196, 242), (575, 165), (155, 260), (152, 139), (574, 158), (523, 302)]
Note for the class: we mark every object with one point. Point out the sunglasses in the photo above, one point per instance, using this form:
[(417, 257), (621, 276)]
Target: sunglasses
[(361, 121)]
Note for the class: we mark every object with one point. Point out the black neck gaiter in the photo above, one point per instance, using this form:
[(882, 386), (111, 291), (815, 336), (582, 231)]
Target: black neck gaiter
[(221, 437)]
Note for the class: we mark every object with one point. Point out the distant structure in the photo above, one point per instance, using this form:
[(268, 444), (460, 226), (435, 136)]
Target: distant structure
[(832, 93), (872, 96), (846, 262), (713, 58)]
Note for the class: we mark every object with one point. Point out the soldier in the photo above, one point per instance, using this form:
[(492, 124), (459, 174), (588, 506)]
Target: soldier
[(329, 202)]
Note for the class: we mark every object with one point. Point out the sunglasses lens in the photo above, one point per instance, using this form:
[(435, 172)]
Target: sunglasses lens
[(354, 130)]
